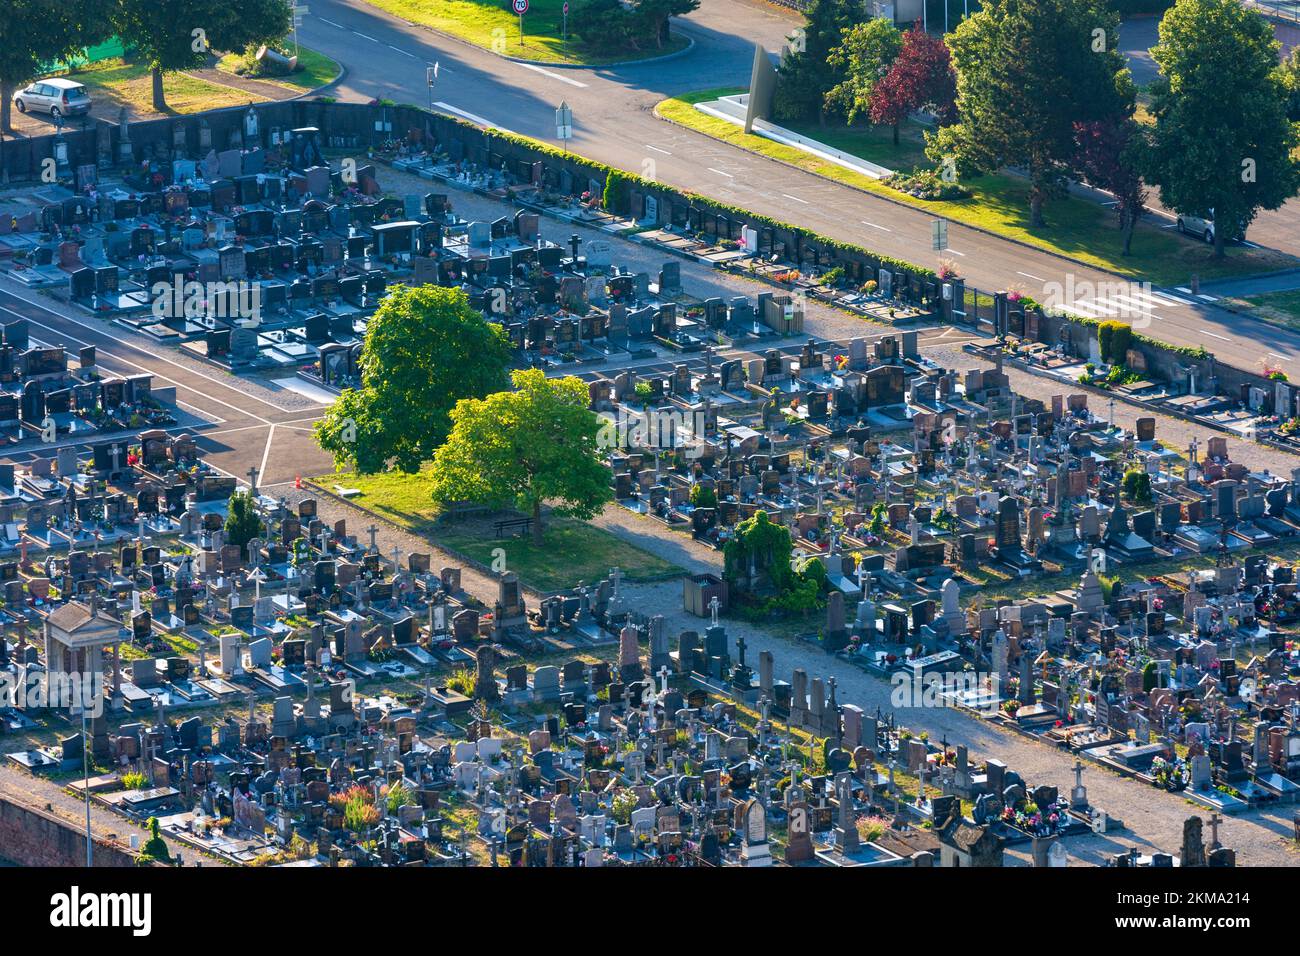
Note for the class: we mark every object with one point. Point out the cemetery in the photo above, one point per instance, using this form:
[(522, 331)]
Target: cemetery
[(292, 690)]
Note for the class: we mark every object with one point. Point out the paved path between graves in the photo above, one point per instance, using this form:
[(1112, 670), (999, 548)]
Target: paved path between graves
[(37, 792)]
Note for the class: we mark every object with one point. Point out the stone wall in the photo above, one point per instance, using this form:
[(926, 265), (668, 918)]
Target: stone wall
[(30, 836)]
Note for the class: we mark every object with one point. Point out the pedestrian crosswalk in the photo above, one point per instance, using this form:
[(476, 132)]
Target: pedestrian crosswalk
[(1124, 301)]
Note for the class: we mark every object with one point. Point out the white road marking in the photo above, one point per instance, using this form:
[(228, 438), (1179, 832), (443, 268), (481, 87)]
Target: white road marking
[(1282, 357), (657, 149), (554, 76), (720, 172), (1207, 298), (401, 51), (364, 37), (874, 226), (472, 117), (331, 23), (266, 452), (170, 381), (796, 199), (1215, 335), (956, 253), (1030, 275)]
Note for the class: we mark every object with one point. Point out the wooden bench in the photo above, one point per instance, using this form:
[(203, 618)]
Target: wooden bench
[(513, 526)]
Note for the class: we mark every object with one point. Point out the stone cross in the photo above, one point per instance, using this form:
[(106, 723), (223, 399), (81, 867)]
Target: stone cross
[(713, 606), (1215, 820), (373, 530), (252, 481)]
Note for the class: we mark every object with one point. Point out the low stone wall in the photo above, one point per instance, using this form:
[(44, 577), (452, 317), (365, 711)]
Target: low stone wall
[(31, 836)]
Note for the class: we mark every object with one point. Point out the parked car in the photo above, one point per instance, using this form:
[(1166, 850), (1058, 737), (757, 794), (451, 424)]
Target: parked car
[(56, 96), (1202, 228)]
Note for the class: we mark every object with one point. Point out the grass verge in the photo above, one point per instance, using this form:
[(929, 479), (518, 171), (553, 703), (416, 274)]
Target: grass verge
[(1278, 308), (571, 551), (129, 85), (314, 70), (1077, 228), (493, 25)]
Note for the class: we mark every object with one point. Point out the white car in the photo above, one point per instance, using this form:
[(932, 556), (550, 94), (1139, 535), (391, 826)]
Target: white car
[(56, 96), (1199, 227)]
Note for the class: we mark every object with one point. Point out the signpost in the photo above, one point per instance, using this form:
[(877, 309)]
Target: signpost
[(564, 125), (430, 74), (939, 235), (521, 7), (298, 12), (564, 22)]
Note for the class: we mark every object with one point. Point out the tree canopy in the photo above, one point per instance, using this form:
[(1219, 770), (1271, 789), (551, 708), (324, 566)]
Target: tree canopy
[(528, 447), (805, 75), (242, 521), (425, 349), (920, 78), (1027, 72), (37, 33), (1222, 139), (179, 34), (863, 57)]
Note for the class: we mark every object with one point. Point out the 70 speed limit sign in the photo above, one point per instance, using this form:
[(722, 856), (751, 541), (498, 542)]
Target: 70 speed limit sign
[(521, 6)]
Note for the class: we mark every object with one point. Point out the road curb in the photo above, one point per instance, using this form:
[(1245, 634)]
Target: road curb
[(690, 45)]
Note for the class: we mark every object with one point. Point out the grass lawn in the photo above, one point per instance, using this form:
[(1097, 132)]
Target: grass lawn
[(1280, 308), (571, 552), (129, 84), (493, 25), (1077, 228), (314, 70)]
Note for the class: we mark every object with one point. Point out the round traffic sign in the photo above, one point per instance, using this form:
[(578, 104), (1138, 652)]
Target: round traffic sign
[(521, 6), (566, 7)]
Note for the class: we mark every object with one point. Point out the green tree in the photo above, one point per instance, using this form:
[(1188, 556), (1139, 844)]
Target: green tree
[(37, 33), (426, 348), (1222, 143), (805, 75), (653, 17), (864, 55), (527, 447), (243, 523), (1137, 486), (1027, 72), (181, 34)]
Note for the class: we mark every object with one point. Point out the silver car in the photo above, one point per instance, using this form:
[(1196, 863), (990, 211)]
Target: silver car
[(56, 96)]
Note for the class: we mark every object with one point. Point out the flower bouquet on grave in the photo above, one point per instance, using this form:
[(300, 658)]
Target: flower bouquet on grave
[(1172, 775)]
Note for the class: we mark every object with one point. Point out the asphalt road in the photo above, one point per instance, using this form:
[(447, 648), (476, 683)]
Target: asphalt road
[(614, 123)]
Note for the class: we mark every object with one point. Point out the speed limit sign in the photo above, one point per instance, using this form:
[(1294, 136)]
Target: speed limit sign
[(521, 6)]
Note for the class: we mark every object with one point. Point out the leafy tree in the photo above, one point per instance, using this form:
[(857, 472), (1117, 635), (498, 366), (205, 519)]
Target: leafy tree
[(37, 33), (1111, 156), (1222, 139), (425, 349), (180, 34), (702, 496), (155, 848), (605, 24), (526, 447), (863, 57), (653, 16), (1289, 75), (920, 78), (805, 75), (1137, 486), (243, 523), (1027, 71)]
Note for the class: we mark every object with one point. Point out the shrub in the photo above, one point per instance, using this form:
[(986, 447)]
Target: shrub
[(702, 496)]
